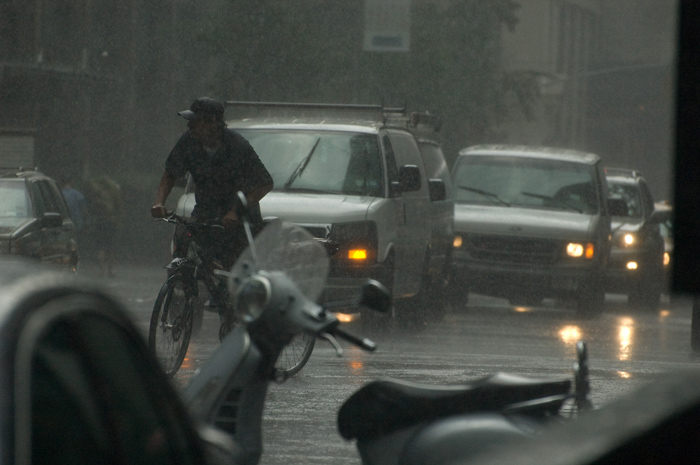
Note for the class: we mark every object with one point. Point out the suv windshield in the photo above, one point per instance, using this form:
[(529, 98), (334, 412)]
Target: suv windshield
[(15, 205), (523, 182), (337, 163), (630, 194)]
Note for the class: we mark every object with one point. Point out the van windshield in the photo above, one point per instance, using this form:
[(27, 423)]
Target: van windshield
[(511, 181), (630, 194), (332, 162)]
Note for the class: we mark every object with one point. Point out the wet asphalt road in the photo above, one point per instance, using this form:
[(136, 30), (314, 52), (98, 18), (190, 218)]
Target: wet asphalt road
[(626, 348)]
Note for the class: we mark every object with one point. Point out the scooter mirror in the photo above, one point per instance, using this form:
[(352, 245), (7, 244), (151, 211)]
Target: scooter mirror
[(375, 296)]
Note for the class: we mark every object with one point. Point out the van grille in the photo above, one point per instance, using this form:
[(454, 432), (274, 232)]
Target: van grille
[(506, 249), (319, 231)]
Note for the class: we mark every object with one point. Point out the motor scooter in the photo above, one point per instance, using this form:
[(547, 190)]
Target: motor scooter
[(401, 423), (274, 286)]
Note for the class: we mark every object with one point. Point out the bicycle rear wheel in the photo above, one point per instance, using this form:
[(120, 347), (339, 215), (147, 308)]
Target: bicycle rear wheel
[(295, 354), (171, 325)]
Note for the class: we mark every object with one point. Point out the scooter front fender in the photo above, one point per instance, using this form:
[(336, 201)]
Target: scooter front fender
[(229, 392)]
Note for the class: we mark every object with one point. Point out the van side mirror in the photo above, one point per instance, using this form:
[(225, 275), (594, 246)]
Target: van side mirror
[(617, 207), (409, 178), (437, 190)]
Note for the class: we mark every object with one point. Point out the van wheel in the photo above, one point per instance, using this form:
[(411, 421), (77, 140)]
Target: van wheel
[(376, 321), (414, 312), (457, 294), (591, 298)]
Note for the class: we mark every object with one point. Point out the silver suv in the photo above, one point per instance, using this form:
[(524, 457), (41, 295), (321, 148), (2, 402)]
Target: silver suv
[(531, 223)]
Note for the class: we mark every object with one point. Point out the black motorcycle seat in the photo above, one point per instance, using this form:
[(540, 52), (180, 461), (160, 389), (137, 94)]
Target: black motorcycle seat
[(388, 405)]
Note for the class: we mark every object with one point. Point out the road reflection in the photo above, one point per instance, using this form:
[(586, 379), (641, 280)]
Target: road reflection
[(625, 338)]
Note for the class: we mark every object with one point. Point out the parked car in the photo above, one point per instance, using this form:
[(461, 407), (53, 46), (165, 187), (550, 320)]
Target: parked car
[(531, 223), (352, 175), (35, 221), (636, 265)]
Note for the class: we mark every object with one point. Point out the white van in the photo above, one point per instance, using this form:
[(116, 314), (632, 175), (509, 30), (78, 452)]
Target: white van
[(347, 174)]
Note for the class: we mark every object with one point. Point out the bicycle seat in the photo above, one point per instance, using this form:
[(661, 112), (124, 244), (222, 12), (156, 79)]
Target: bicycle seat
[(388, 405)]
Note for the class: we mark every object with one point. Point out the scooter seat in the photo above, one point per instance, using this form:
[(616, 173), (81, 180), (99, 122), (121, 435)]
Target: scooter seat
[(388, 405)]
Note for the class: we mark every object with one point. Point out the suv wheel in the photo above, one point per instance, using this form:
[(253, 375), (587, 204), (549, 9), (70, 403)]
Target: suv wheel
[(646, 292), (591, 298)]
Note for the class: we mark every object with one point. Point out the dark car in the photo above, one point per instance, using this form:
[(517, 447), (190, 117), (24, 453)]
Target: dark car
[(35, 221), (636, 264)]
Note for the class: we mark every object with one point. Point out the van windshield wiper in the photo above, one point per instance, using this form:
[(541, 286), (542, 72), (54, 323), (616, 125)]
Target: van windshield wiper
[(485, 194), (558, 202), (301, 166)]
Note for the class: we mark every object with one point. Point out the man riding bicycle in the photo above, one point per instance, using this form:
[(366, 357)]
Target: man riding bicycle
[(221, 163)]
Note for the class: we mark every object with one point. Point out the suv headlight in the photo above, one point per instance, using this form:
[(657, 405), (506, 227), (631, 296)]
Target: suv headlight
[(357, 241), (625, 240)]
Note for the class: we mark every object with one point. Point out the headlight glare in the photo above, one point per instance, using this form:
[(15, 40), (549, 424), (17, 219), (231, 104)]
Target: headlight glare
[(574, 250)]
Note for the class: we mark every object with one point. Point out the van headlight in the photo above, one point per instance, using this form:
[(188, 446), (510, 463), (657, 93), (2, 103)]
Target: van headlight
[(580, 250)]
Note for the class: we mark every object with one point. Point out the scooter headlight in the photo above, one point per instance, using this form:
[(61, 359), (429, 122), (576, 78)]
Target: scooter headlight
[(253, 296)]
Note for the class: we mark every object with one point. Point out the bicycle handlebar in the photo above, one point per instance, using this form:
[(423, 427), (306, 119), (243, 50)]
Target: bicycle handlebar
[(173, 218)]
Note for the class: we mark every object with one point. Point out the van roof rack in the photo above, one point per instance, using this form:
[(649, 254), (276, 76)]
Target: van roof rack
[(326, 112), (625, 172)]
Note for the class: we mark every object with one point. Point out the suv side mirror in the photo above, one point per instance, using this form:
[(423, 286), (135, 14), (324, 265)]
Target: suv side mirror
[(437, 190), (660, 216), (617, 207), (409, 178), (51, 220)]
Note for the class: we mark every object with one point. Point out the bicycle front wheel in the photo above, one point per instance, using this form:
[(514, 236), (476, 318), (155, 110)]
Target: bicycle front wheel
[(295, 354), (171, 325)]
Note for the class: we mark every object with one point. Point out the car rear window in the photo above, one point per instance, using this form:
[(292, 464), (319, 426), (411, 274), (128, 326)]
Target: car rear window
[(14, 201), (342, 163)]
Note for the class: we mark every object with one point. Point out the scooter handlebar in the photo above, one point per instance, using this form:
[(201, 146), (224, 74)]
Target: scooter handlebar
[(359, 341)]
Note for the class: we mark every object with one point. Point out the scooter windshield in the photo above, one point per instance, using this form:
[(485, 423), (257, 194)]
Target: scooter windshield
[(286, 247)]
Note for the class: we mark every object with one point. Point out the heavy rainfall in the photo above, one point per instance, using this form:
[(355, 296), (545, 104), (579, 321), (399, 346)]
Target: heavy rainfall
[(503, 167)]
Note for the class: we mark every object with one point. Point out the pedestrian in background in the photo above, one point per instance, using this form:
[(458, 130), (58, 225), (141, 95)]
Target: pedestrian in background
[(106, 214), (77, 204), (78, 209)]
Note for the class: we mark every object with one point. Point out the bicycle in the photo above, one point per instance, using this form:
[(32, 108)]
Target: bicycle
[(174, 314)]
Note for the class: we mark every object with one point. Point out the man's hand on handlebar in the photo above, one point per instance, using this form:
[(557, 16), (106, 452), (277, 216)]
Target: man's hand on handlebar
[(159, 211), (230, 220)]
